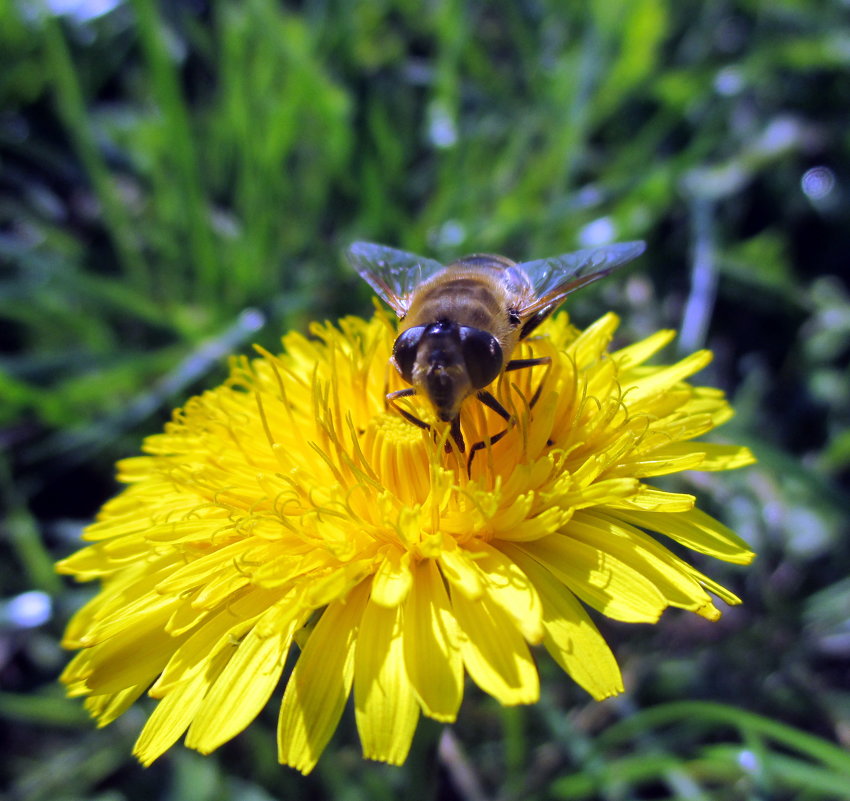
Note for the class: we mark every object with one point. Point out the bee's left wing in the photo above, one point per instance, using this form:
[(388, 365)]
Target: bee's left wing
[(554, 278), (393, 274)]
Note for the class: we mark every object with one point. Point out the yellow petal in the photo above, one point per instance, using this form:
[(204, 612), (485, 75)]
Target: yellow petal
[(139, 611), (724, 457), (244, 686), (129, 658), (103, 618), (674, 457), (393, 579), (639, 352), (695, 530), (461, 573), (185, 618), (653, 499), (494, 652), (540, 525), (665, 378), (599, 579), (431, 649), (175, 712), (510, 588), (589, 345), (669, 574), (218, 590), (336, 583), (95, 561), (106, 708), (320, 683), (712, 586), (571, 638), (203, 569), (661, 461), (216, 633), (384, 702), (606, 491)]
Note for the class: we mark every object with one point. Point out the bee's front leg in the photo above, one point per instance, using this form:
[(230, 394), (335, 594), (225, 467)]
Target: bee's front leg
[(456, 436), (521, 364), (490, 401), (407, 392)]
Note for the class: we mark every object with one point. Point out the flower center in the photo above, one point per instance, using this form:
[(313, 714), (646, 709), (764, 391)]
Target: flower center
[(398, 452)]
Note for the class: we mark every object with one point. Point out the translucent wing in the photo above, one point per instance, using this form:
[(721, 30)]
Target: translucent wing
[(554, 278), (393, 274)]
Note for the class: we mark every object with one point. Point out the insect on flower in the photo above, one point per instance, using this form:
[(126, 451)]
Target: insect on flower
[(461, 322), (254, 521)]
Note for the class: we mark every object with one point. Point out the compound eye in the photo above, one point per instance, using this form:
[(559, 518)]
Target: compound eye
[(482, 354), (404, 351)]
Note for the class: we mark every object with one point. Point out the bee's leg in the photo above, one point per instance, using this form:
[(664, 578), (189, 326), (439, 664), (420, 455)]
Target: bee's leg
[(407, 392), (480, 446), (488, 400), (456, 436), (520, 364)]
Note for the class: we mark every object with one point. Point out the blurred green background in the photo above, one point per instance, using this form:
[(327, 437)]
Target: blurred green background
[(177, 181)]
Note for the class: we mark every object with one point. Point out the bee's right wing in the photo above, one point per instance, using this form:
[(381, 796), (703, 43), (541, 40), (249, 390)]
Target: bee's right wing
[(554, 278), (393, 274)]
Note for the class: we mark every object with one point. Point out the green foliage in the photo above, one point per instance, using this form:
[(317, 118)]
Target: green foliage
[(174, 174)]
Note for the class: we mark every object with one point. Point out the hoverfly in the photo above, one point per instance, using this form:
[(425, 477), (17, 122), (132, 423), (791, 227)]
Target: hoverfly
[(461, 322)]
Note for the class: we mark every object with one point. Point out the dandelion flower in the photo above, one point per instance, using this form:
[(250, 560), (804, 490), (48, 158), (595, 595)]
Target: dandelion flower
[(288, 529)]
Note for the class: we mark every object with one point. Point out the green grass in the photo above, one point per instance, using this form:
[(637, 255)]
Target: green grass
[(163, 171)]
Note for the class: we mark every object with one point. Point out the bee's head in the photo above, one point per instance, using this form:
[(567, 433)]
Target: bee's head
[(447, 362)]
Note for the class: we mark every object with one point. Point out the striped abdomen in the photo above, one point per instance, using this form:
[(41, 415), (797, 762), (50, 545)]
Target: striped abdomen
[(468, 294)]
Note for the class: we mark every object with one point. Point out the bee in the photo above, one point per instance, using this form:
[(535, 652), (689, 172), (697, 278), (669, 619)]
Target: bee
[(460, 323)]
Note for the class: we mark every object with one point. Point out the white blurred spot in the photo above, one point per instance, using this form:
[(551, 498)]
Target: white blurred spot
[(638, 291), (251, 319), (728, 81), (225, 223), (781, 134), (441, 126), (818, 182), (450, 234), (748, 761), (773, 513), (600, 231), (588, 195), (809, 534), (29, 609), (82, 10)]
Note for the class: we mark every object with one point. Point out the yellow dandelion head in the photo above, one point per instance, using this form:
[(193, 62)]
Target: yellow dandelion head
[(292, 504)]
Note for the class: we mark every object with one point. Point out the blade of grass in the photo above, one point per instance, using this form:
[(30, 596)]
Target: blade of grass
[(24, 536), (72, 108), (44, 709), (707, 712), (181, 156), (77, 445)]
